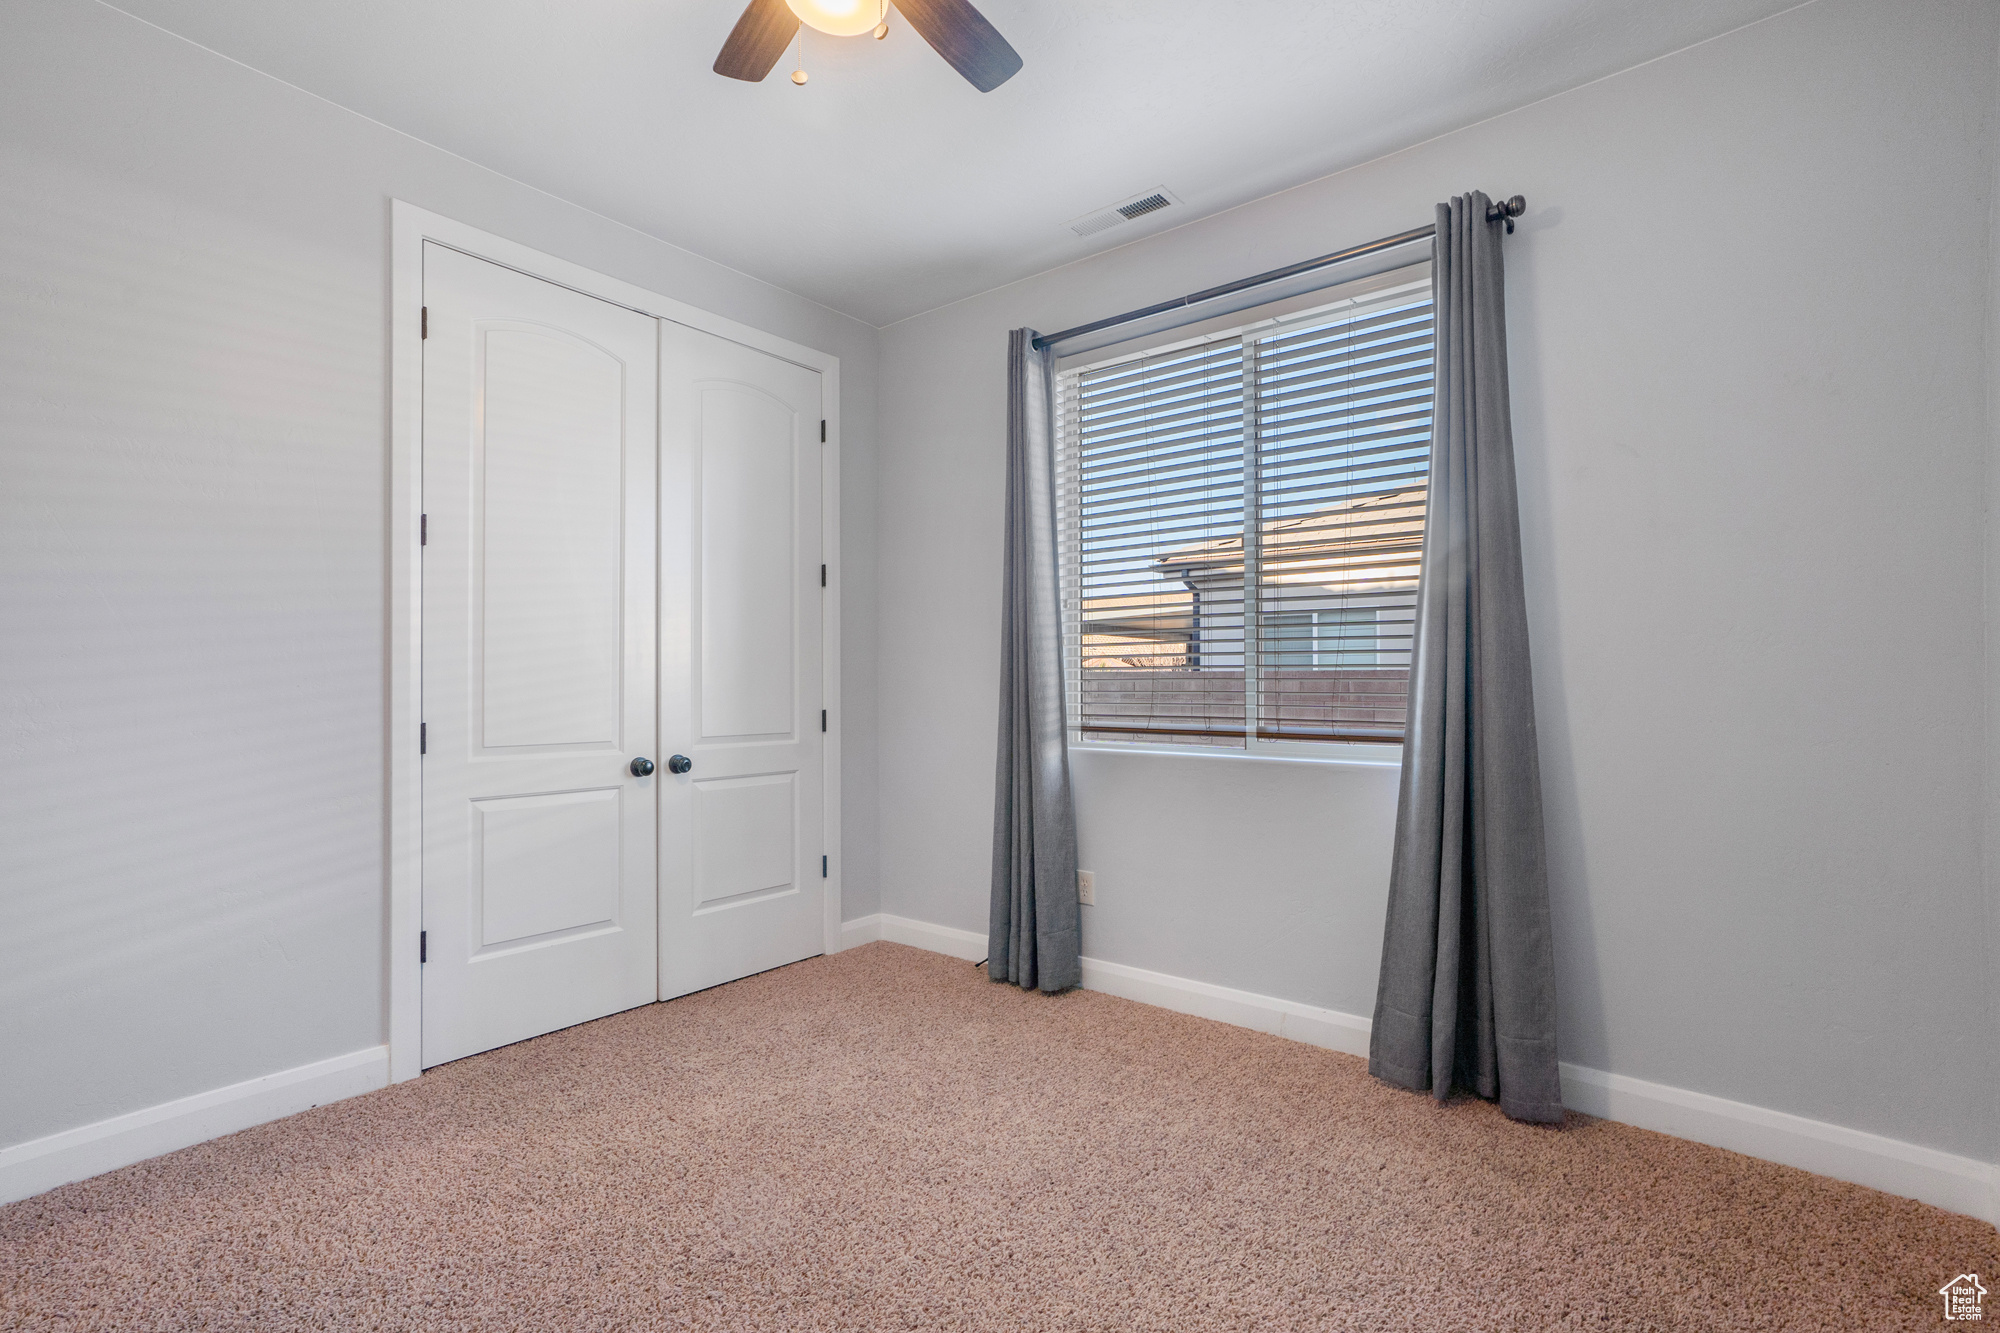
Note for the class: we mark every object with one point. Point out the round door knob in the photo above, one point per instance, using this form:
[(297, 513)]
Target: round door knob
[(680, 763), (641, 767)]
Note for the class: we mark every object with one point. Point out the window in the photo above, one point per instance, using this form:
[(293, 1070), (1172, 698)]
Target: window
[(1343, 636), (1242, 526)]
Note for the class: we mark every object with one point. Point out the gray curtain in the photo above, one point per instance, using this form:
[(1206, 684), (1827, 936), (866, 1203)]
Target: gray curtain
[(1467, 997), (1034, 938)]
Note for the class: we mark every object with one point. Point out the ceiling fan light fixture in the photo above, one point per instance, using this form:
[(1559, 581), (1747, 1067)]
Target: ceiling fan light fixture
[(953, 28), (840, 18)]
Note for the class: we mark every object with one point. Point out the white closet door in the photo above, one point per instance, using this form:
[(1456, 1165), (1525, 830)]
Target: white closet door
[(740, 643), (540, 487)]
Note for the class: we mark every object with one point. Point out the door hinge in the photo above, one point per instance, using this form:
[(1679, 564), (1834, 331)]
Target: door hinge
[(822, 430), (423, 529), (424, 323), (822, 867), (423, 738), (822, 719), (822, 576), (423, 946)]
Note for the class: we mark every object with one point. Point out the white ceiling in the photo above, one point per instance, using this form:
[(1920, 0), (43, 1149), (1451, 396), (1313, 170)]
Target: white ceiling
[(888, 186)]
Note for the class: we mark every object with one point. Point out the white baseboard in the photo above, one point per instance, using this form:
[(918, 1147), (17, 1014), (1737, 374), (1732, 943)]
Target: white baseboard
[(42, 1164), (861, 930), (1961, 1184), (1281, 1018), (966, 944)]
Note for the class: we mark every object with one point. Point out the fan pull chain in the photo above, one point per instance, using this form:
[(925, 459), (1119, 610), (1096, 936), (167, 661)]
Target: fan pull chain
[(882, 28), (799, 74)]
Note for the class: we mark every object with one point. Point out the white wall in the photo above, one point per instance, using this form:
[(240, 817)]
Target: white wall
[(1748, 320), (193, 430), (1991, 677)]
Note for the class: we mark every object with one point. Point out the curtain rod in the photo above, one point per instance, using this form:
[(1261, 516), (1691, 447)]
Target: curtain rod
[(1508, 211)]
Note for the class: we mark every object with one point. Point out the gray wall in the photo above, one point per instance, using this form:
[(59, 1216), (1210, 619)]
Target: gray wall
[(193, 478), (1748, 313)]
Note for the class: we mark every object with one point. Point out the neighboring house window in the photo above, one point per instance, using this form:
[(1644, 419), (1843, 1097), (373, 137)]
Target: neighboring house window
[(1242, 525), (1340, 637)]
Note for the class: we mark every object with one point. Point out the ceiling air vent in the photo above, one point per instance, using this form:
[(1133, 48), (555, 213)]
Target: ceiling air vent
[(1118, 214), (1096, 222)]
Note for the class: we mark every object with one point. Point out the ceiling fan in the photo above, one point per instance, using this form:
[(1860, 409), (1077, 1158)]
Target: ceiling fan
[(961, 34)]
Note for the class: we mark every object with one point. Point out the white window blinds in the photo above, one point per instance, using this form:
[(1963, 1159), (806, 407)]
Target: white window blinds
[(1242, 527)]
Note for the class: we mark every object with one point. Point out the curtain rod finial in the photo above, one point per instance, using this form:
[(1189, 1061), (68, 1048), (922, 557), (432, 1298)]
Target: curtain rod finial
[(1508, 211)]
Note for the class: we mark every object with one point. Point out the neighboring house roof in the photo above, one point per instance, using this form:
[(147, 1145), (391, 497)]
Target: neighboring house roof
[(1368, 543), (1166, 616), (1371, 543)]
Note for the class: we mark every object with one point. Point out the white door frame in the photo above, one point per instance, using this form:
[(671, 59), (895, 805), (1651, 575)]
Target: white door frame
[(410, 227)]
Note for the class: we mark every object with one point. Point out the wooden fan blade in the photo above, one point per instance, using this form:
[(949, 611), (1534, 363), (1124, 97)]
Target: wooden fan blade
[(969, 44), (757, 40)]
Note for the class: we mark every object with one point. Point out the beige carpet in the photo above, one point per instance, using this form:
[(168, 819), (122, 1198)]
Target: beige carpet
[(886, 1140)]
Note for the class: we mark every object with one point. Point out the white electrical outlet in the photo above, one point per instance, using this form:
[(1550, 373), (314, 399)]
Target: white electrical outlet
[(1086, 887)]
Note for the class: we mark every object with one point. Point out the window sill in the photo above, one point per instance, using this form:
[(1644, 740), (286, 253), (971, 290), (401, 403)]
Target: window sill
[(1349, 755)]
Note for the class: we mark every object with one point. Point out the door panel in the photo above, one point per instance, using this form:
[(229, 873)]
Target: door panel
[(744, 832), (539, 668), (546, 863), (748, 569), (547, 587), (741, 888)]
